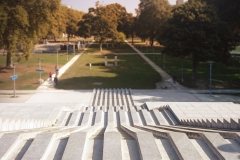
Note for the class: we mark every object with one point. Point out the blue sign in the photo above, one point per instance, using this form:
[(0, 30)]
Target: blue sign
[(14, 77), (39, 70)]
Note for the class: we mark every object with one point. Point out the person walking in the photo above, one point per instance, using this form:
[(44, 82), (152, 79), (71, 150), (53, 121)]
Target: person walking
[(55, 80), (56, 69), (50, 76)]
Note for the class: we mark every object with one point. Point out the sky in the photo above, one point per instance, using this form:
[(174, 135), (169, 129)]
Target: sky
[(83, 5)]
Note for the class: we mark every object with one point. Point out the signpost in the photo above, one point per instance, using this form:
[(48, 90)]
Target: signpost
[(210, 63), (14, 77), (39, 70)]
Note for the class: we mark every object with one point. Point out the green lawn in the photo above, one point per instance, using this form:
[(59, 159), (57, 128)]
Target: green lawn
[(121, 48), (132, 72), (26, 70), (223, 76), (148, 49), (237, 49)]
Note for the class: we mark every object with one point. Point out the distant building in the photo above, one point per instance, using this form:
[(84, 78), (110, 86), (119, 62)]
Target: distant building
[(180, 2)]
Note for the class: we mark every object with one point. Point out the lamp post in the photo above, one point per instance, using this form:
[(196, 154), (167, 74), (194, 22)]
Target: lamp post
[(182, 69), (40, 73), (67, 52), (57, 57), (164, 61), (14, 84), (210, 63)]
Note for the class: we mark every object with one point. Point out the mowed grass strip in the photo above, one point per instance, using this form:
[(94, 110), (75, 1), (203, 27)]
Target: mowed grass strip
[(26, 70), (132, 72), (224, 76), (111, 48)]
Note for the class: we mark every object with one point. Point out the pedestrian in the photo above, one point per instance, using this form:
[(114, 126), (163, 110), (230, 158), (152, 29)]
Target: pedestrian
[(56, 69), (50, 76), (174, 79), (55, 80)]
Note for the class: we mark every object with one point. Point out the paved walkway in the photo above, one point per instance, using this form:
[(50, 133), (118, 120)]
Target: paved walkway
[(49, 84), (166, 78)]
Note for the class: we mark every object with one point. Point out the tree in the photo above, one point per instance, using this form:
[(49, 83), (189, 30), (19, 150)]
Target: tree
[(196, 30), (73, 17), (151, 14), (25, 23), (228, 11), (100, 22)]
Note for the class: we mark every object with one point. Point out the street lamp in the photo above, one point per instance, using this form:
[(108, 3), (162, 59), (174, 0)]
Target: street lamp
[(40, 73), (164, 61), (67, 52), (210, 63), (57, 57), (182, 69), (14, 84)]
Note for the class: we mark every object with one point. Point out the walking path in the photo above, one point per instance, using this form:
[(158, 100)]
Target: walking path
[(166, 78), (49, 84)]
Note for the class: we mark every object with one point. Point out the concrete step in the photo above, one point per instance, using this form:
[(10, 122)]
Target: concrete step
[(84, 120), (166, 148), (92, 101), (135, 117), (181, 143), (57, 148), (235, 144), (95, 145), (146, 143), (224, 133), (98, 117), (123, 120), (129, 95), (203, 149), (112, 143), (220, 146), (20, 149), (159, 117), (8, 143), (63, 118), (74, 118), (171, 117), (75, 147), (40, 147), (147, 117)]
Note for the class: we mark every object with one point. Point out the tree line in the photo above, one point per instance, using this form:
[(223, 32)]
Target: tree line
[(200, 29), (205, 30), (24, 23)]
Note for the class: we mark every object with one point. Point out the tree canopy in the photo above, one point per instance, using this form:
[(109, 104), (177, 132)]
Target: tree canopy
[(151, 14), (104, 22), (196, 30), (23, 23)]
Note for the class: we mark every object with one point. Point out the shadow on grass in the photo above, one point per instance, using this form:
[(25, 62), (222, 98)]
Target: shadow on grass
[(106, 82)]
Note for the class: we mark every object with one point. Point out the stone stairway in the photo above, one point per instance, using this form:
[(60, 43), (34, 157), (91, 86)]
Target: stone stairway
[(112, 127)]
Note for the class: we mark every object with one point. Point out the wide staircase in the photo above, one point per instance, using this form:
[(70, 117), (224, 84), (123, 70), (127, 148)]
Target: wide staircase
[(113, 128)]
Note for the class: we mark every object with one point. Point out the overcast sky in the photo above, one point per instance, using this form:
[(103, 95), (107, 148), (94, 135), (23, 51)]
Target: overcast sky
[(83, 5)]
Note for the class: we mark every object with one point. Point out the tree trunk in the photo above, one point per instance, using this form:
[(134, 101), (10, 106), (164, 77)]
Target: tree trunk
[(68, 36), (100, 45), (54, 38), (9, 60), (151, 42), (132, 38)]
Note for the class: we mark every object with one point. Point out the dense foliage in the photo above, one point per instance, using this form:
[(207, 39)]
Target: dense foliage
[(196, 29), (105, 22), (23, 23)]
